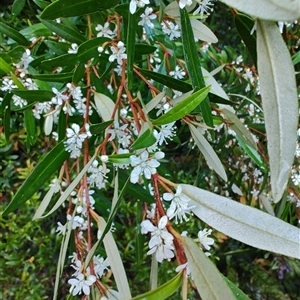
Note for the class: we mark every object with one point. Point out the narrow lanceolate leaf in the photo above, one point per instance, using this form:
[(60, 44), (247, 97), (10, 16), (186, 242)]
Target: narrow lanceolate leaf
[(163, 291), (14, 34), (215, 86), (37, 178), (193, 64), (65, 32), (244, 26), (244, 223), (169, 81), (154, 102), (29, 121), (242, 132), (69, 190), (280, 103), (99, 128), (130, 47), (71, 8), (208, 152), (145, 140), (206, 276), (115, 262), (202, 32), (239, 295), (4, 66), (105, 106), (276, 10), (183, 108), (35, 95), (60, 77), (18, 6)]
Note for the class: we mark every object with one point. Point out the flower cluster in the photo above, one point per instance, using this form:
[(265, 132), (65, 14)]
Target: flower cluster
[(161, 242)]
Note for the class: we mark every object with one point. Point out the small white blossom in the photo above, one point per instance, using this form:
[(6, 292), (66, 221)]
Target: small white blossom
[(59, 98), (23, 64), (178, 73), (205, 7), (172, 30), (118, 53), (167, 131), (100, 265), (179, 206), (161, 242), (7, 85), (75, 140), (146, 18), (81, 284), (73, 49), (104, 31), (137, 3), (184, 3), (18, 101), (205, 241), (142, 165)]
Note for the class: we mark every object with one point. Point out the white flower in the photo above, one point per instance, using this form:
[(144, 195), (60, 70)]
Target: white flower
[(137, 3), (18, 101), (161, 242), (171, 29), (100, 265), (41, 108), (7, 85), (146, 17), (73, 49), (61, 229), (97, 175), (179, 205), (296, 178), (55, 185), (59, 98), (205, 241), (178, 73), (121, 133), (80, 284), (167, 132), (30, 84), (104, 31), (75, 140), (23, 64), (205, 6), (184, 3), (142, 165), (118, 53)]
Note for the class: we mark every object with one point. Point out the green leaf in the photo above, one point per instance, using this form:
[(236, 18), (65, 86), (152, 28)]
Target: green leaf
[(99, 128), (78, 73), (280, 103), (163, 291), (207, 278), (18, 6), (144, 49), (71, 8), (7, 122), (41, 3), (5, 102), (254, 155), (130, 47), (65, 32), (183, 108), (244, 26), (239, 128), (89, 49), (275, 10), (34, 95), (193, 65), (14, 34), (208, 152), (62, 125), (59, 77), (50, 163), (145, 140), (62, 60), (4, 66), (239, 295), (30, 127), (168, 81), (244, 223)]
